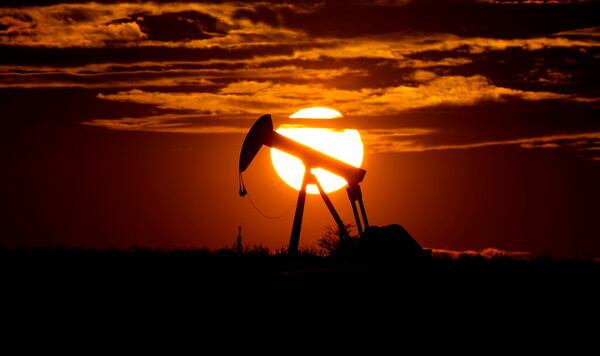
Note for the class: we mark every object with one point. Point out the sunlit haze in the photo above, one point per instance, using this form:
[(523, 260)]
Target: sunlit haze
[(123, 121)]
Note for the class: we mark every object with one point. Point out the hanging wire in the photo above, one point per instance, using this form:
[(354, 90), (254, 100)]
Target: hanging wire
[(244, 192)]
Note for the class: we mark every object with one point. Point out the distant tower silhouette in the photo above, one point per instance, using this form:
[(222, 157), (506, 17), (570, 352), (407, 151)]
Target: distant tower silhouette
[(238, 242)]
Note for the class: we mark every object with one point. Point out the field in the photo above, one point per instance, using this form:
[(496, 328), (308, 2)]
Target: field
[(196, 269), (218, 290)]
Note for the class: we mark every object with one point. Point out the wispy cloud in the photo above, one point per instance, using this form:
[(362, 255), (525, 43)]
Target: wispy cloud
[(589, 31), (391, 140), (394, 46), (155, 75), (187, 124), (253, 97), (87, 82), (395, 140)]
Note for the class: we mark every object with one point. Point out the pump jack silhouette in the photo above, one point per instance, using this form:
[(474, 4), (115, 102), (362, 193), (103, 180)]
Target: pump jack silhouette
[(377, 243), (262, 133)]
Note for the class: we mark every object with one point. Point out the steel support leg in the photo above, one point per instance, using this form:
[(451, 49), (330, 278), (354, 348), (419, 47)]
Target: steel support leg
[(295, 237)]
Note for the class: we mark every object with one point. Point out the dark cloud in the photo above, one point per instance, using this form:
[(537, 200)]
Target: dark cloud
[(77, 14), (176, 78), (21, 16), (74, 56), (561, 70), (23, 108), (178, 26), (15, 22), (19, 3), (463, 18), (261, 13)]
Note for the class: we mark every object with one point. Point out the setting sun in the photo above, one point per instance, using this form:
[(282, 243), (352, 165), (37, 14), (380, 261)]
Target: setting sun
[(317, 112), (345, 145)]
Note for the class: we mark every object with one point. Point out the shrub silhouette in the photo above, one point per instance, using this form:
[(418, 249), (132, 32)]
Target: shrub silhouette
[(331, 243)]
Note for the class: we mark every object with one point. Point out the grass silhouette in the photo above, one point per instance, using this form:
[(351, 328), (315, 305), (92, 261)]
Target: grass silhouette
[(262, 263), (151, 283)]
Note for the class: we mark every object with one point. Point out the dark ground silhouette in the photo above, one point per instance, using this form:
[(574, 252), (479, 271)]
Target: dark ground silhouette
[(197, 269), (143, 288)]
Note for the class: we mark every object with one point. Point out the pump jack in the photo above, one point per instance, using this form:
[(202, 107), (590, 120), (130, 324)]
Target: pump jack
[(262, 133)]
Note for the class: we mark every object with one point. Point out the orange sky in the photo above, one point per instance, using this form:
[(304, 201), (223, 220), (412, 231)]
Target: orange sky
[(123, 121)]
